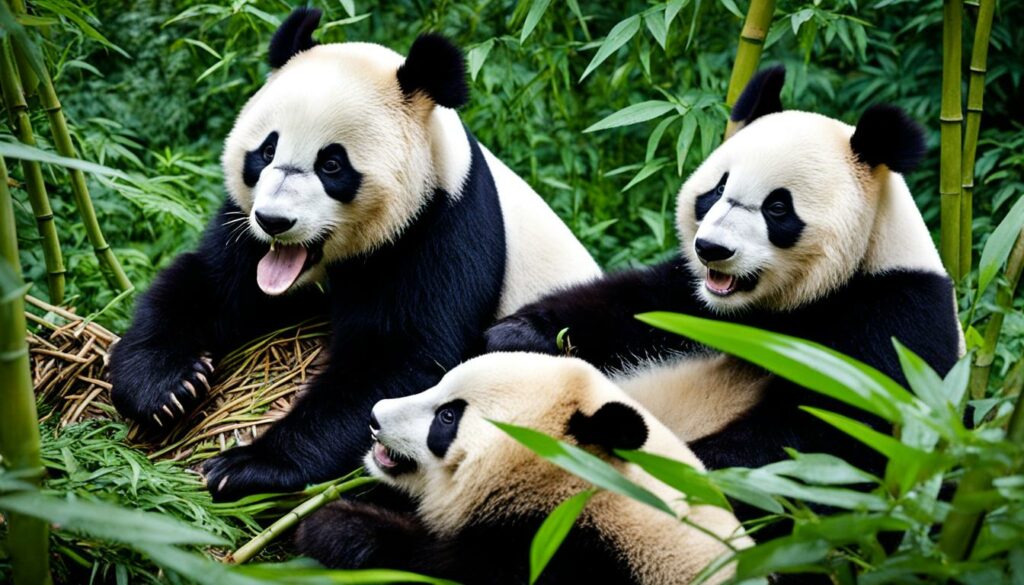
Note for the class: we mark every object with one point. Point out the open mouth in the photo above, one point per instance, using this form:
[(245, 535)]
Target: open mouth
[(283, 264), (722, 284), (390, 461)]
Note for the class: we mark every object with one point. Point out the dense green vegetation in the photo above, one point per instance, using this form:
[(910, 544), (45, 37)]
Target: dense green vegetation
[(603, 108)]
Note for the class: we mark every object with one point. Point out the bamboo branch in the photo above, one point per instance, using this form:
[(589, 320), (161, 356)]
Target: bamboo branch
[(27, 538), (261, 540), (17, 107), (975, 95), (8, 233), (982, 369), (950, 118), (748, 53)]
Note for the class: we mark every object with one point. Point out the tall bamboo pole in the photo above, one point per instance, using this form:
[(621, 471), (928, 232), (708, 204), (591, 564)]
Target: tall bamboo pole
[(17, 107), (27, 538), (982, 368), (951, 118), (748, 52), (79, 188), (975, 95), (9, 238)]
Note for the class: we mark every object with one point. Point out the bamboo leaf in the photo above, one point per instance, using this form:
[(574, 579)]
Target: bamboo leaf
[(583, 464), (24, 152), (554, 530), (788, 552), (619, 35), (997, 248), (477, 56), (633, 114), (695, 484), (537, 10), (922, 378), (809, 364), (686, 134), (730, 5), (655, 22)]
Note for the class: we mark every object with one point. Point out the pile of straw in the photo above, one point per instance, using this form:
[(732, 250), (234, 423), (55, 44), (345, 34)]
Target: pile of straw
[(251, 387)]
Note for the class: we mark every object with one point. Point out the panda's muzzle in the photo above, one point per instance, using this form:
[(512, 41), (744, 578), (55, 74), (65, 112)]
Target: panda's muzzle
[(386, 459)]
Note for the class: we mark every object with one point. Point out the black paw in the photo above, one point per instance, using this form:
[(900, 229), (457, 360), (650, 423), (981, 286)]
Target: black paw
[(357, 535), (517, 333), (157, 389), (248, 470)]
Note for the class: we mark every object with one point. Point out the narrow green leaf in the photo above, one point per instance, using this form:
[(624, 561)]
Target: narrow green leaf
[(619, 35), (24, 152), (655, 22), (922, 378), (554, 530), (477, 56), (107, 521), (735, 483), (809, 364), (672, 9), (730, 5), (655, 138), (686, 134), (954, 385), (349, 6), (645, 173), (819, 468), (788, 552), (537, 10), (997, 248), (695, 484), (583, 464), (708, 133), (633, 114)]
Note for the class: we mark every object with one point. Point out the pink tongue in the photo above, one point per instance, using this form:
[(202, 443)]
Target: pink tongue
[(719, 282), (279, 268), (380, 453)]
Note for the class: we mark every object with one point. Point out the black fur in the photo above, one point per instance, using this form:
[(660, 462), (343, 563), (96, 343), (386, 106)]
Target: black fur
[(257, 159), (437, 68), (401, 316), (488, 551), (340, 181), (886, 135), (293, 36), (784, 225), (614, 426), (761, 96), (443, 430), (859, 320), (705, 202)]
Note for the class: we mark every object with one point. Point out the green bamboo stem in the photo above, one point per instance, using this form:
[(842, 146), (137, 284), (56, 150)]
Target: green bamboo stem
[(79, 188), (975, 95), (17, 107), (283, 524), (8, 233), (982, 368), (27, 538), (748, 52), (951, 119)]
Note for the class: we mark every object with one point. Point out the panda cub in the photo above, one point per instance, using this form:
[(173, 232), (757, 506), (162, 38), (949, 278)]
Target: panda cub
[(355, 192), (481, 495), (799, 224)]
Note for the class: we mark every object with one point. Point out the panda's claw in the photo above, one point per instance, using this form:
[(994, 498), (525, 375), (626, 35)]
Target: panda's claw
[(157, 419), (202, 378), (191, 389), (167, 409), (177, 402)]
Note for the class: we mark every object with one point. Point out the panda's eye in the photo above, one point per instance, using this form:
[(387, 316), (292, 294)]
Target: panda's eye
[(268, 152), (446, 416), (331, 166), (720, 189), (777, 209)]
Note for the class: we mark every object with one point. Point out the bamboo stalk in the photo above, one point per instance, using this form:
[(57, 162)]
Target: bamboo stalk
[(17, 107), (950, 119), (982, 369), (8, 233), (261, 540), (975, 98), (27, 538), (748, 52), (64, 146)]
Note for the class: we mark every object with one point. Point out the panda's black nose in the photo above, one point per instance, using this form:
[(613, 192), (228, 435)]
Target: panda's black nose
[(712, 252), (274, 224)]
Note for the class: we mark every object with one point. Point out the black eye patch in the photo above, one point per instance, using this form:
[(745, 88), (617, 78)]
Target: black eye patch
[(257, 159), (340, 180), (706, 201), (445, 426), (784, 225)]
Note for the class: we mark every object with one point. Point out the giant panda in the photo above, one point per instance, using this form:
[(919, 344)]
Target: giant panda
[(354, 191), (481, 495), (799, 224)]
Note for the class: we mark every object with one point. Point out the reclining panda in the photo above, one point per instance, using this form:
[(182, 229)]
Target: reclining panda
[(799, 224), (348, 171), (481, 495)]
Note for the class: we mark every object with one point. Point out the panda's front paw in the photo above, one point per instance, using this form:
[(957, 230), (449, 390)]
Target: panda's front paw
[(518, 333), (358, 535), (247, 470), (156, 389)]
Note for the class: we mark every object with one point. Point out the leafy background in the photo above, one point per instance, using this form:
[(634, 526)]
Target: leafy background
[(603, 107)]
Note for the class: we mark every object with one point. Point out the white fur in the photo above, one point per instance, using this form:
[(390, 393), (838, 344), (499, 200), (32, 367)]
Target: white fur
[(487, 474)]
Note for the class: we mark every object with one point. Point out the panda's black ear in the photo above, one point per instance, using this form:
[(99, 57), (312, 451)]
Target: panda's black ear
[(614, 426), (436, 68), (886, 135), (293, 36), (761, 97)]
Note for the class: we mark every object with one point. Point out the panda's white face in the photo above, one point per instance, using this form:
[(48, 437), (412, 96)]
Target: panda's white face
[(329, 160), (778, 215)]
